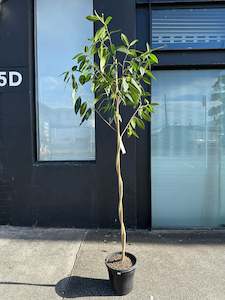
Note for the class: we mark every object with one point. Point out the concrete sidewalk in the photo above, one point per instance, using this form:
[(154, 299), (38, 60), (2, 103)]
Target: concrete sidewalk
[(36, 264)]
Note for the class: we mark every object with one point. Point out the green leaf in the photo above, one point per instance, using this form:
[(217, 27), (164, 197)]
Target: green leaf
[(113, 49), (154, 58), (96, 100), (83, 108), (142, 71), (82, 66), (146, 94), (77, 105), (88, 77), (134, 65), (103, 58), (100, 34), (66, 75), (129, 97), (134, 93), (92, 18), (133, 122), (102, 64), (137, 86), (131, 52), (81, 58), (77, 55), (133, 43), (145, 115), (74, 83), (82, 79), (124, 39), (146, 80), (149, 73), (131, 131), (150, 108), (93, 50), (108, 20), (140, 123), (123, 49), (135, 134), (86, 116), (125, 85)]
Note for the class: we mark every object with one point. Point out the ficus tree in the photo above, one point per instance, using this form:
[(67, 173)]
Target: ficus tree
[(119, 77)]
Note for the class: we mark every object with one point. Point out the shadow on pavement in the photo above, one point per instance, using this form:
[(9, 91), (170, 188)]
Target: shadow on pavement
[(75, 286)]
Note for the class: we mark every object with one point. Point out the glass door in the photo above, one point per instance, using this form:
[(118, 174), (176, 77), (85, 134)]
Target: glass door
[(188, 149)]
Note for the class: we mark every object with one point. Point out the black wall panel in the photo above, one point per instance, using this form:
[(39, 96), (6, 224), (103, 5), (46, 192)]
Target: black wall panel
[(14, 27), (53, 193)]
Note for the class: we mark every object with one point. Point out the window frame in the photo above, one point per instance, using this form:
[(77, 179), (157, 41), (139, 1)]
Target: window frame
[(185, 58)]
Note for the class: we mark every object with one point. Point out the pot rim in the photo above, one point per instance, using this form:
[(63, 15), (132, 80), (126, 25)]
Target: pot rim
[(132, 256)]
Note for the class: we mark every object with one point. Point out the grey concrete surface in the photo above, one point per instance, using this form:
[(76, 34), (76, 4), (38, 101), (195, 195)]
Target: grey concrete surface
[(171, 265), (32, 261), (181, 265)]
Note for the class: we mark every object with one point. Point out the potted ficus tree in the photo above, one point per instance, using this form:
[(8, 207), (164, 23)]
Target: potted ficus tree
[(119, 78)]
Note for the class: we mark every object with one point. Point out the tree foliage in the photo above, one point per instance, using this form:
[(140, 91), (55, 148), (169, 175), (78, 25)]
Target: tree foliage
[(119, 73)]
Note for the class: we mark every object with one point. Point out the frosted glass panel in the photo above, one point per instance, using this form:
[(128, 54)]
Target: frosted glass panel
[(62, 31), (188, 149), (188, 28)]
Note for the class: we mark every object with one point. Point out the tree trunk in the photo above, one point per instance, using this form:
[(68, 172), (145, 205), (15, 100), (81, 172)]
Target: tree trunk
[(120, 183)]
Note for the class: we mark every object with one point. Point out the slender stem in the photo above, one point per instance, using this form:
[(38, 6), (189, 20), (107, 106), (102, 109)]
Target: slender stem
[(120, 183), (101, 103), (125, 60), (109, 35), (134, 114), (105, 120), (118, 167)]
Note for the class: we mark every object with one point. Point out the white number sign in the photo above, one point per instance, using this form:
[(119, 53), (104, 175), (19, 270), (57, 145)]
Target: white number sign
[(12, 79)]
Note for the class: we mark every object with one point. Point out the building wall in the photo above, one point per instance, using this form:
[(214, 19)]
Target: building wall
[(54, 193)]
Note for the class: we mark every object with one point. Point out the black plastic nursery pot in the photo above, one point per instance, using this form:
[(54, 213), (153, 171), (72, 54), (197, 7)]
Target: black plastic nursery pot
[(122, 280)]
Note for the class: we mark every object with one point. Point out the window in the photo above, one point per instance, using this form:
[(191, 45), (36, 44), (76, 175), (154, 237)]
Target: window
[(188, 148), (188, 28), (188, 128), (61, 31)]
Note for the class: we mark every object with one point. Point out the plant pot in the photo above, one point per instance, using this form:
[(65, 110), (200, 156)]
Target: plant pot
[(121, 280)]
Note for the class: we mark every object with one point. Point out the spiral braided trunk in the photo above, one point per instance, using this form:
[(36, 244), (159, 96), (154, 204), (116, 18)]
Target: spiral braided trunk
[(120, 185)]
